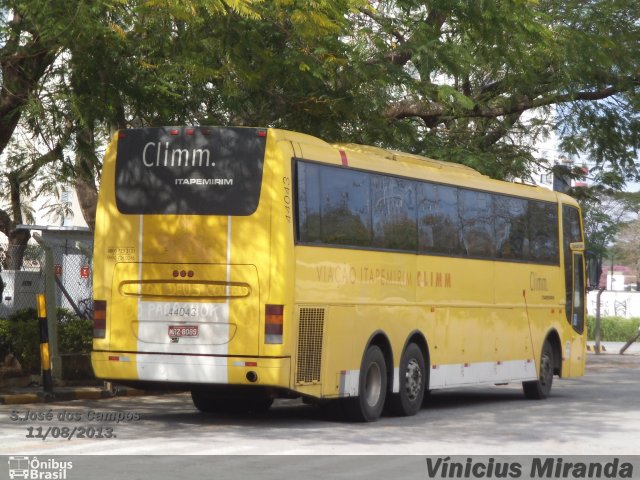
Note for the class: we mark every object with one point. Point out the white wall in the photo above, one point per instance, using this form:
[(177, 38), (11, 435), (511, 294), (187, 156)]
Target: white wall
[(43, 218), (619, 304)]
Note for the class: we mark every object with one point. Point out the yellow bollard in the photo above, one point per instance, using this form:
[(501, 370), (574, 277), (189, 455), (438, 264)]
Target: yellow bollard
[(45, 358)]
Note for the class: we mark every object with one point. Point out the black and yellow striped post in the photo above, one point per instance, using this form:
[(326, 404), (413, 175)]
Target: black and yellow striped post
[(45, 358)]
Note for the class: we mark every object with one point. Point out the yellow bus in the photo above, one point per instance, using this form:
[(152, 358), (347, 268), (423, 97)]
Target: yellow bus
[(247, 264)]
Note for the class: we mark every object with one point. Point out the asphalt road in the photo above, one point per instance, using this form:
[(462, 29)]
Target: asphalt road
[(596, 414)]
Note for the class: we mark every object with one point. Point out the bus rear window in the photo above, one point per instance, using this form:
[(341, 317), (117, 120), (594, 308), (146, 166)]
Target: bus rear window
[(189, 170)]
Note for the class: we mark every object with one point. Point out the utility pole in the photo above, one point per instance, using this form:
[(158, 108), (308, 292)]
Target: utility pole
[(50, 298)]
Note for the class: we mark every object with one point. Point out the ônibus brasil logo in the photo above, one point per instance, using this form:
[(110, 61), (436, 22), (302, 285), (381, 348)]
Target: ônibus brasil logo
[(33, 468)]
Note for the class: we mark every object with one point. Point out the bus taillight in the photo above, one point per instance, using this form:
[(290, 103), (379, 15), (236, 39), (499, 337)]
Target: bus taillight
[(273, 323), (99, 318)]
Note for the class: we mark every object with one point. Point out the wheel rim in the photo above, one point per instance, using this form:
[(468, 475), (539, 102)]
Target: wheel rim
[(373, 384), (413, 379)]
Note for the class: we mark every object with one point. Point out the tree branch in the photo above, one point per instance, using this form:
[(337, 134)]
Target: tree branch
[(22, 67), (433, 112)]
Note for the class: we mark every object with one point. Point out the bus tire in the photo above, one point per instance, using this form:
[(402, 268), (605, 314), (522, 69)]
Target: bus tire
[(372, 388), (541, 388), (413, 379)]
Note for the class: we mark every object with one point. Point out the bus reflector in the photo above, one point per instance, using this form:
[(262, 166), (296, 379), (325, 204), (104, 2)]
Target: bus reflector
[(343, 157), (273, 323), (99, 318), (117, 358)]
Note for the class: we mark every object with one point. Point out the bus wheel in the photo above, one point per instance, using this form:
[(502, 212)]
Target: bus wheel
[(372, 389), (413, 380), (540, 389)]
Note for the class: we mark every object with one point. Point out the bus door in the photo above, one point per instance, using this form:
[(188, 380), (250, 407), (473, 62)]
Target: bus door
[(575, 285)]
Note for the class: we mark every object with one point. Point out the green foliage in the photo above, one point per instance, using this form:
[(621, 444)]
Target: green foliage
[(75, 333), (613, 329), (448, 79), (605, 214), (19, 334)]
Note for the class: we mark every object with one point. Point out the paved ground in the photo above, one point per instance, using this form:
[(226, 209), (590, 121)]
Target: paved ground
[(596, 414)]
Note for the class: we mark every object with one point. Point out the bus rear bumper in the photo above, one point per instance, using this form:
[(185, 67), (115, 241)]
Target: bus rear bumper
[(192, 369)]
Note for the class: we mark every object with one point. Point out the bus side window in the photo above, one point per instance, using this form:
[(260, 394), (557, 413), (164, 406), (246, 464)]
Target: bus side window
[(438, 219), (478, 234)]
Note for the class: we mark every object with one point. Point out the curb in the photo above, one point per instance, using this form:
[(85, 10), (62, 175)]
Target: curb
[(70, 395), (592, 348)]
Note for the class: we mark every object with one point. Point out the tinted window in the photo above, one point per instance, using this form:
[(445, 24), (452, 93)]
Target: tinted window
[(345, 207), (476, 212), (393, 203), (340, 206), (571, 224), (309, 202), (511, 227), (197, 171), (543, 231), (438, 219), (577, 319)]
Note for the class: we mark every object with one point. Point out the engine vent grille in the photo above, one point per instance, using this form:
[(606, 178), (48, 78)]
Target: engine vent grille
[(309, 345)]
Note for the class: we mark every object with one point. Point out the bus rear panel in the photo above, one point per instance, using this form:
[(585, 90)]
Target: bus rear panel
[(183, 260)]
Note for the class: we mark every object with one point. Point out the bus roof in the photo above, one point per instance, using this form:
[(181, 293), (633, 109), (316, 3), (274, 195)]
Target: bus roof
[(436, 170), (410, 158)]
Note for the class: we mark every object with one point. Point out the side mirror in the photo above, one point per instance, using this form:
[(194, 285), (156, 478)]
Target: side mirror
[(594, 270)]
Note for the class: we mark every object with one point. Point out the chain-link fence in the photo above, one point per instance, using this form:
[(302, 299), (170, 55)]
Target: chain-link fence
[(68, 268), (72, 275)]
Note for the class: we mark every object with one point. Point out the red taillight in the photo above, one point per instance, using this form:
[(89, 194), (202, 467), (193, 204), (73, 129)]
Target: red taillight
[(273, 323), (190, 131), (262, 133), (99, 319), (122, 134), (174, 131)]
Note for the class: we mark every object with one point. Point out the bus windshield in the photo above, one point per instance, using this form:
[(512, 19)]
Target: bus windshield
[(190, 171)]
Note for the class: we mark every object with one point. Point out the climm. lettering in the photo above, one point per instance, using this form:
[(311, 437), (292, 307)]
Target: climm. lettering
[(433, 279), (160, 155)]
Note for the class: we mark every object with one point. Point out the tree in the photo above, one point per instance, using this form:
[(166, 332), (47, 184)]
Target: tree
[(63, 72), (473, 82), (18, 180), (627, 246), (607, 218), (462, 76)]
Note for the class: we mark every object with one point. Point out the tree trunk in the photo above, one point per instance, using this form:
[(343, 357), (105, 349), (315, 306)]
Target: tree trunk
[(18, 239), (85, 166), (88, 199)]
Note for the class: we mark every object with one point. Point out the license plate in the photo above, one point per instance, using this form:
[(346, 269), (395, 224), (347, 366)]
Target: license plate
[(183, 331)]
